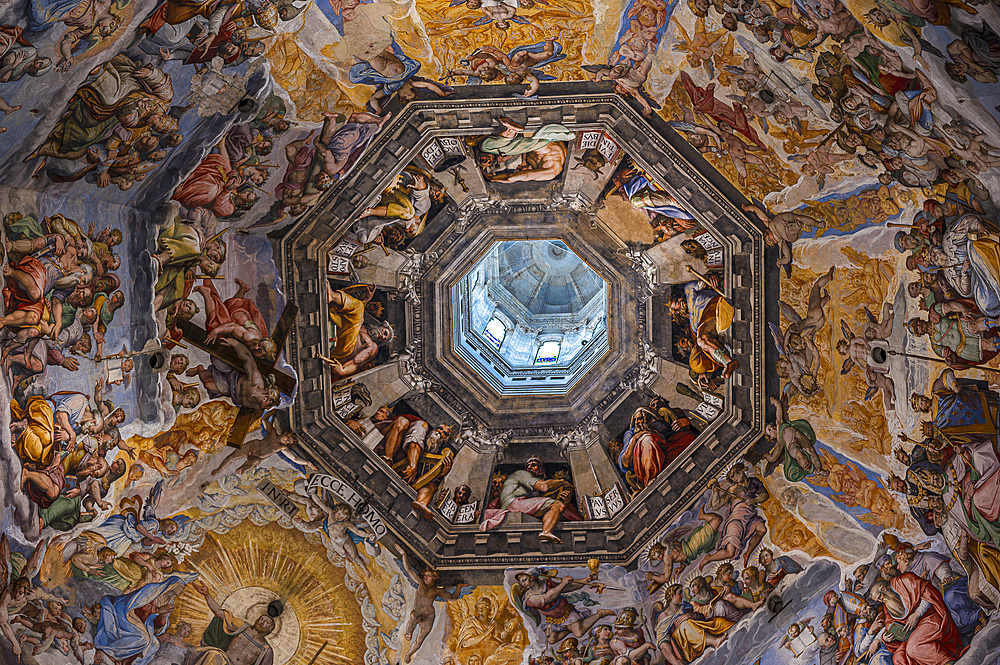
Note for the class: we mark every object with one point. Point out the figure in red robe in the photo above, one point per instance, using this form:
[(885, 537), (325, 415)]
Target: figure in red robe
[(238, 318), (210, 186), (913, 602), (705, 101), (24, 294), (654, 440)]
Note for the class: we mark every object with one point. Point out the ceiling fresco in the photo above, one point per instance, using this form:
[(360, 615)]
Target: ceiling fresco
[(500, 332)]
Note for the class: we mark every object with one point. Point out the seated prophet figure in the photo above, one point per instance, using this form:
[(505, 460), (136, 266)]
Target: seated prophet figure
[(230, 641), (355, 344), (918, 627), (654, 440), (543, 155), (708, 315), (529, 492)]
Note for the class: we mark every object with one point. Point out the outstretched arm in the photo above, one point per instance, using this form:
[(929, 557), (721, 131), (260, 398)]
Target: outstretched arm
[(429, 85), (575, 585), (406, 563), (202, 588), (888, 316), (554, 593), (146, 534), (779, 411), (532, 85), (757, 211), (249, 364), (5, 626), (452, 595)]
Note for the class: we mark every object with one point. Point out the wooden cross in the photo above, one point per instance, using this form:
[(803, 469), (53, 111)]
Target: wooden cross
[(285, 383)]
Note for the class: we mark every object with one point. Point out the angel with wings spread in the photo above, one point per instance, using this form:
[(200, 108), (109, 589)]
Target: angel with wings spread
[(800, 359), (16, 574), (538, 596), (858, 350), (872, 329), (699, 48), (138, 527), (523, 63)]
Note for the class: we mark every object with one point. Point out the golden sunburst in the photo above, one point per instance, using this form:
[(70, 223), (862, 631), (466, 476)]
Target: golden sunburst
[(251, 565)]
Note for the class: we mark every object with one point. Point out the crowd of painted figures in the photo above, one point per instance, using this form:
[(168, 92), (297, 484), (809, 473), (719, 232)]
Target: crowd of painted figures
[(139, 183)]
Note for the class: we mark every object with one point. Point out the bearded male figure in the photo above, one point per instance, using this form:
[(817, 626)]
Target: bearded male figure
[(919, 630), (229, 641)]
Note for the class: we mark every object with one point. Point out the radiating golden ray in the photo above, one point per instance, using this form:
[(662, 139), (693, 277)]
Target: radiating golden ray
[(283, 562)]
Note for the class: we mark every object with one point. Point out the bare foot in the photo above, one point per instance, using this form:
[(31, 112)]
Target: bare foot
[(424, 511), (549, 538), (730, 368)]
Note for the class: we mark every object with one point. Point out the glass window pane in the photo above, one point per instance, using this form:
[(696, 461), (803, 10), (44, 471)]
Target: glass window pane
[(548, 352), (495, 331)]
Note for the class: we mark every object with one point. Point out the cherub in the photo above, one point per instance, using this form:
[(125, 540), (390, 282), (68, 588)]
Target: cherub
[(15, 585), (821, 159), (858, 349), (422, 615), (783, 229), (800, 359), (796, 629), (54, 628), (871, 329), (751, 78), (699, 48), (629, 80)]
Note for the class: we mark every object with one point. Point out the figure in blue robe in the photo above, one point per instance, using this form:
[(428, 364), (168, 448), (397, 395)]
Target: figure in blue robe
[(129, 624)]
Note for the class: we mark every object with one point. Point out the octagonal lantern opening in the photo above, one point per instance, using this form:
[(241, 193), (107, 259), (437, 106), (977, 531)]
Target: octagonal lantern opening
[(532, 317)]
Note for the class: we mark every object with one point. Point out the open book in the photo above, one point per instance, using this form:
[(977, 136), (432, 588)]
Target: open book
[(803, 641)]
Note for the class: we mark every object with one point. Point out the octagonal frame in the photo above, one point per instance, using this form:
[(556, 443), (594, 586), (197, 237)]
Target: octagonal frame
[(673, 164)]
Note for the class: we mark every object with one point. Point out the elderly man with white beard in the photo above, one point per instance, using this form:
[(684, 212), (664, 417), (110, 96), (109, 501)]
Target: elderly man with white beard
[(918, 628), (410, 435), (866, 633)]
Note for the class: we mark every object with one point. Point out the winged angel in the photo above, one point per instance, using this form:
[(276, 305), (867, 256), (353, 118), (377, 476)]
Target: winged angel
[(858, 349), (800, 634), (546, 602), (16, 576), (800, 359), (701, 49)]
